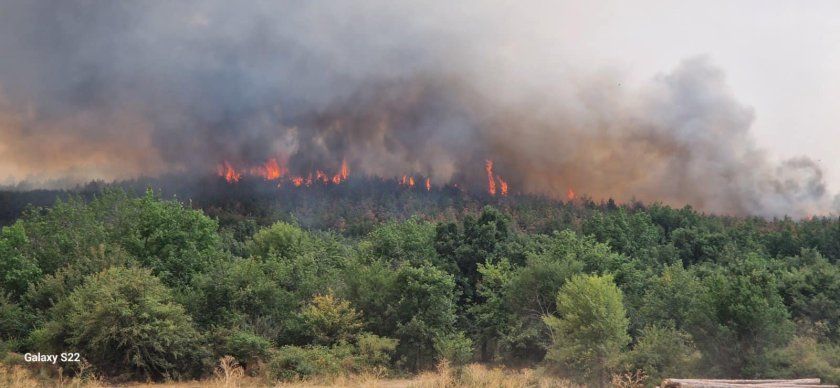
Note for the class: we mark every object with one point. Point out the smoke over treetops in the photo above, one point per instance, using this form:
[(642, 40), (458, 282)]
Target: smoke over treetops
[(121, 89)]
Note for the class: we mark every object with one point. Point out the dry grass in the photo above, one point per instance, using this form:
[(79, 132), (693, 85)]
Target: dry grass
[(230, 375), (477, 375), (19, 376)]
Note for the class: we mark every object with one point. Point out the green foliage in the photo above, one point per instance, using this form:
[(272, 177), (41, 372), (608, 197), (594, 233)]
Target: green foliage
[(329, 320), (662, 352), (482, 240), (252, 293), (397, 291), (424, 309), (248, 348), (455, 348), (375, 351), (17, 271), (125, 322), (740, 318), (590, 328), (810, 287), (174, 242), (629, 233), (671, 298), (280, 240), (411, 241), (58, 235), (806, 356), (15, 322), (296, 362)]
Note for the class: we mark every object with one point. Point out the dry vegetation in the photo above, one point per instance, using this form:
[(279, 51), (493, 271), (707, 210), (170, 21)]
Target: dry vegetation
[(230, 375)]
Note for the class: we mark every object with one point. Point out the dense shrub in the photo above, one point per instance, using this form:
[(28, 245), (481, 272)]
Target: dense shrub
[(329, 320), (374, 351), (454, 348), (126, 324), (662, 352), (590, 328), (806, 356), (17, 271), (296, 362), (247, 348)]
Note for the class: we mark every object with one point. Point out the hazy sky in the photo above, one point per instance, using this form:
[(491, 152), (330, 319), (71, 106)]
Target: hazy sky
[(780, 57), (709, 103)]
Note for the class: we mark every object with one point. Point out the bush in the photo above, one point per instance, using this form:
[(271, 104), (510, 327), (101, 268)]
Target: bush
[(456, 348), (176, 243), (16, 270), (246, 347), (807, 357), (297, 363), (590, 328), (374, 351), (15, 322), (330, 320), (280, 240), (126, 324), (424, 304), (662, 352)]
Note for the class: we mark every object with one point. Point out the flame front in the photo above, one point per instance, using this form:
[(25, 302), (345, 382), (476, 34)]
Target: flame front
[(273, 169), (270, 170), (491, 183), (227, 171), (503, 186), (570, 194)]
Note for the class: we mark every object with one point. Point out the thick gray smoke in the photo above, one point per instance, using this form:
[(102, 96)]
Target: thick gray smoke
[(95, 89)]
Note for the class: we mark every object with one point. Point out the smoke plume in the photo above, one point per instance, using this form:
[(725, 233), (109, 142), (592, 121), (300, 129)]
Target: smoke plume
[(111, 90)]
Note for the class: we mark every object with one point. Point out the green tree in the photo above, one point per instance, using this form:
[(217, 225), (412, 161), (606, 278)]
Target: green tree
[(17, 271), (741, 317), (330, 320), (423, 309), (632, 233), (590, 328), (126, 323), (410, 241), (282, 240), (661, 352), (176, 243), (810, 287)]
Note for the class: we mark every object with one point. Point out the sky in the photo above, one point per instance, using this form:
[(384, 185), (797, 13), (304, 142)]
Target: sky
[(725, 105), (780, 57)]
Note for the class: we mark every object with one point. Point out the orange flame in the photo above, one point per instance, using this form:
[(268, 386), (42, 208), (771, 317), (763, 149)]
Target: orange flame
[(342, 174), (345, 172), (227, 171), (270, 170), (491, 183), (570, 194), (503, 186)]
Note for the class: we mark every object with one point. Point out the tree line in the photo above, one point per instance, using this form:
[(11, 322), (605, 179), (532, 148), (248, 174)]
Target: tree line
[(151, 289)]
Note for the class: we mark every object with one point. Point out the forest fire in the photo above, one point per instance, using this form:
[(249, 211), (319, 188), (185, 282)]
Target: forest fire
[(491, 180), (227, 171), (275, 170), (270, 170)]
